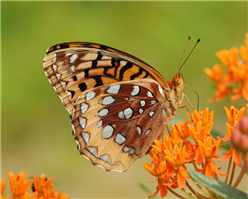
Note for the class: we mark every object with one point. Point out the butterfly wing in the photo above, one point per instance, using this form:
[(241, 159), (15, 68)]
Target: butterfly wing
[(75, 67), (116, 124), (111, 128)]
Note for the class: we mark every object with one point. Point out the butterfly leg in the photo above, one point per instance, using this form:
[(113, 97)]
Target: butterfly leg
[(185, 106), (184, 95)]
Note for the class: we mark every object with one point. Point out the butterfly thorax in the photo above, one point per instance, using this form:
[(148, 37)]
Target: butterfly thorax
[(173, 95)]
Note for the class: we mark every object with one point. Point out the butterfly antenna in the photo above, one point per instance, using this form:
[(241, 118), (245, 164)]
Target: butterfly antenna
[(182, 55), (198, 97), (188, 56)]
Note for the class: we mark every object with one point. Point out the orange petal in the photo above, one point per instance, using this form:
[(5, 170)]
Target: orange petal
[(181, 179), (241, 114), (157, 190), (236, 157), (162, 188)]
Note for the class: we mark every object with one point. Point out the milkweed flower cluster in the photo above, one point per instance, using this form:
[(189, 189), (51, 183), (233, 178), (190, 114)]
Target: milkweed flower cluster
[(42, 187), (235, 81), (171, 155)]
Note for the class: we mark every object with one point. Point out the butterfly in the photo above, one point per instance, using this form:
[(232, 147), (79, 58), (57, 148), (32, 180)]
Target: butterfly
[(117, 102)]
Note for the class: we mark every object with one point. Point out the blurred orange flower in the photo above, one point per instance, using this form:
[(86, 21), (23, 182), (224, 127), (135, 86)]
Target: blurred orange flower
[(234, 116), (41, 187), (18, 185), (235, 81)]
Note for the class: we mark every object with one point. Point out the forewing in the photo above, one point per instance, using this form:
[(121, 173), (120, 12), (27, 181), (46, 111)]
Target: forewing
[(76, 67)]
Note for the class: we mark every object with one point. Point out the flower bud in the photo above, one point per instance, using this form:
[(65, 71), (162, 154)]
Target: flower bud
[(239, 137)]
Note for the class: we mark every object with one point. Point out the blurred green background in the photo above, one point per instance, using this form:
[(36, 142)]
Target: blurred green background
[(36, 130)]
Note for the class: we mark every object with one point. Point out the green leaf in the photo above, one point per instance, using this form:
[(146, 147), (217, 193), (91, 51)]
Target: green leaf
[(148, 191), (226, 146), (220, 188)]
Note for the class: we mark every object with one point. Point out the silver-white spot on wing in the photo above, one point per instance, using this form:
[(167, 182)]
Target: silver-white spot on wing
[(107, 131), (121, 115), (160, 90), (54, 57), (128, 149), (164, 113), (106, 158), (90, 95), (82, 122), (117, 164), (149, 94), (84, 107), (120, 139), (92, 150), (151, 113), (78, 145), (67, 54), (114, 89), (86, 137), (128, 113), (135, 91), (72, 68), (55, 67), (63, 84), (103, 112), (138, 130), (73, 58), (108, 100), (142, 103), (148, 131), (141, 110), (153, 102), (99, 124), (58, 75)]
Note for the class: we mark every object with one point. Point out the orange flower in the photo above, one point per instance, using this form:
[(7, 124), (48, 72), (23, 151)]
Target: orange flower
[(236, 79), (3, 185), (178, 161), (202, 125), (209, 150), (35, 196), (55, 195), (42, 184), (216, 74), (161, 146), (163, 171), (183, 132), (175, 140), (234, 116), (20, 188), (228, 57), (204, 117), (18, 185)]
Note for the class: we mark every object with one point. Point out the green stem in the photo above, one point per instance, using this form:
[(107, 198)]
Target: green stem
[(198, 195), (233, 170), (241, 175), (228, 169), (176, 194)]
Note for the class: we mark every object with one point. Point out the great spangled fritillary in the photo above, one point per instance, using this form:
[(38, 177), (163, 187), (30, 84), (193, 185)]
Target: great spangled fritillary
[(117, 103)]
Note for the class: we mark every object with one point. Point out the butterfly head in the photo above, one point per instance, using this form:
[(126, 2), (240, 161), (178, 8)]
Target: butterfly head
[(177, 85), (178, 81)]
